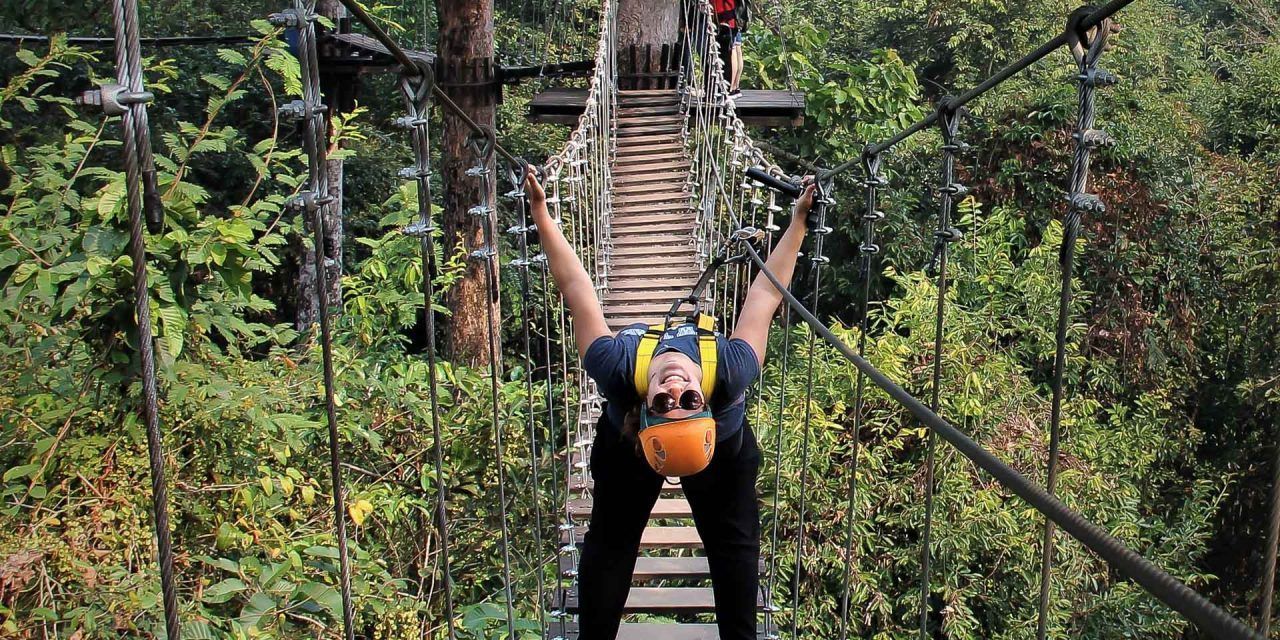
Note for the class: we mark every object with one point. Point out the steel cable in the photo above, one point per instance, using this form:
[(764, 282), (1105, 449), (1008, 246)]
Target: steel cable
[(1153, 579), (949, 123), (137, 153), (1088, 49), (521, 232), (868, 249), (488, 254), (1273, 538), (316, 201), (417, 98)]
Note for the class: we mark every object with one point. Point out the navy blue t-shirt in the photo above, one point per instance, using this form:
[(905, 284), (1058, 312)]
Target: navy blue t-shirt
[(611, 362)]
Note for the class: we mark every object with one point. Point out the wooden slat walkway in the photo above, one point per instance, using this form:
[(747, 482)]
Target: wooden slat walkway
[(652, 262), (756, 107)]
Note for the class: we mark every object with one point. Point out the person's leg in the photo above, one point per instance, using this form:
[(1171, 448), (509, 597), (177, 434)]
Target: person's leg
[(625, 491), (724, 41), (736, 83), (727, 513)]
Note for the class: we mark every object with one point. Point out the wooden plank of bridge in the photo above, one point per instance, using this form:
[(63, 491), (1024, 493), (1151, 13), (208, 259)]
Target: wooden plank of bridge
[(756, 107), (653, 261)]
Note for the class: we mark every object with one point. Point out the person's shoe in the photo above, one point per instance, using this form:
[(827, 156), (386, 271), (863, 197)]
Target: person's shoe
[(735, 94)]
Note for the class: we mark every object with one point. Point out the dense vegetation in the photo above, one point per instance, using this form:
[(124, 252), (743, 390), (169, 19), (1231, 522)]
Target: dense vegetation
[(1174, 379)]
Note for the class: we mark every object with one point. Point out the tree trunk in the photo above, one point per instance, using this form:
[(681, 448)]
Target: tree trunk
[(465, 72), (339, 91), (643, 22), (648, 33)]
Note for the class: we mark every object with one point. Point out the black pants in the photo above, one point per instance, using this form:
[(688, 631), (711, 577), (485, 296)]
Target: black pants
[(725, 510)]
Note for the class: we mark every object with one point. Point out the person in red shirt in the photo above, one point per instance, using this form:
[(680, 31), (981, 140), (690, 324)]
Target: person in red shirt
[(729, 37)]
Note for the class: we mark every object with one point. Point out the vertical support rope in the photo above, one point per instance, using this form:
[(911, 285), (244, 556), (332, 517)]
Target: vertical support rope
[(816, 260), (949, 190), (1087, 49), (137, 152), (521, 231), (316, 200), (872, 181), (486, 212), (416, 91), (1273, 538)]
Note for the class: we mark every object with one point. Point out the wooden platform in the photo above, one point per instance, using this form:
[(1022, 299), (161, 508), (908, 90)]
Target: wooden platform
[(756, 107)]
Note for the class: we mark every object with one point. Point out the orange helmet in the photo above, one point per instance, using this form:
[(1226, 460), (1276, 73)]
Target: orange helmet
[(679, 447)]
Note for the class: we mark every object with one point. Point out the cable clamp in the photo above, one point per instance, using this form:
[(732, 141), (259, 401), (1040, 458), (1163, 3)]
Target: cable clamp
[(514, 194), (1086, 203), (516, 230), (869, 248), (1094, 138), (819, 260), (1095, 77), (409, 122), (483, 253), (478, 171), (821, 231), (874, 216), (413, 173), (956, 147), (417, 230), (950, 234), (480, 211), (954, 189), (772, 228), (304, 201), (520, 263), (875, 181), (291, 18), (539, 260), (114, 99)]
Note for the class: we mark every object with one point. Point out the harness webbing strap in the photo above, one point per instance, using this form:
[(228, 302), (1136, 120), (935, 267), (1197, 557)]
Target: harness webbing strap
[(644, 356), (707, 353)]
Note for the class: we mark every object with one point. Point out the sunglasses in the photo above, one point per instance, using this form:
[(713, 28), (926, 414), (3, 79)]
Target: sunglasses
[(664, 403)]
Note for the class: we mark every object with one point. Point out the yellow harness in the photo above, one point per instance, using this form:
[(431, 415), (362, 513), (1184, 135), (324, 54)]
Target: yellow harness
[(706, 351)]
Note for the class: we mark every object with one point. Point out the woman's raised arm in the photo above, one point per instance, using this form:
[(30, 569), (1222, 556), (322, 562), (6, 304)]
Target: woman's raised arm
[(762, 298), (567, 270)]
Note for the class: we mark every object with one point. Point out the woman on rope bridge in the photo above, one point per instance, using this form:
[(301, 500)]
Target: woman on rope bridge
[(676, 406)]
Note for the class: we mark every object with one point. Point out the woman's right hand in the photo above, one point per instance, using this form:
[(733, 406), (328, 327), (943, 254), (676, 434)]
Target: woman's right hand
[(532, 188)]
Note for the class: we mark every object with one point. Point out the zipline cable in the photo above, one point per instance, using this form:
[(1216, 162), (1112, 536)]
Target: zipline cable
[(1153, 579), (943, 237), (316, 201), (1087, 50), (128, 99), (868, 249), (417, 98)]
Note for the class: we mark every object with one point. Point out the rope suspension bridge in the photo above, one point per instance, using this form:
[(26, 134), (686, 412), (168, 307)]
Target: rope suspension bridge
[(668, 201)]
